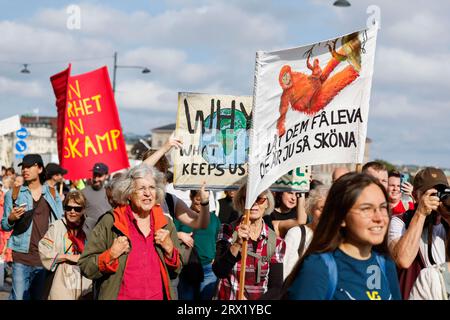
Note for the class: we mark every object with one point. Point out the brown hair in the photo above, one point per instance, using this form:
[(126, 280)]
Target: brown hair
[(394, 173), (77, 196), (375, 165), (329, 233)]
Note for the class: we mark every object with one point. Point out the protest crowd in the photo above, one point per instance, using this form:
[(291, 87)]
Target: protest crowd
[(209, 225), (131, 236)]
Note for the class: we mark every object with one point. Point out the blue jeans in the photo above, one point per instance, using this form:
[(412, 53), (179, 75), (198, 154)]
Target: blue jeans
[(206, 289), (27, 282)]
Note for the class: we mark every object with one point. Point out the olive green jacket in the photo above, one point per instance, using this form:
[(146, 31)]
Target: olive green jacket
[(96, 264)]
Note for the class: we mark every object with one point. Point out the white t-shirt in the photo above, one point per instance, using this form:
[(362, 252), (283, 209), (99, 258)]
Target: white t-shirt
[(292, 240), (397, 229)]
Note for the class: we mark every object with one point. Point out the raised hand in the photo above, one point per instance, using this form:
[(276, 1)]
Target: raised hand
[(162, 238), (119, 247)]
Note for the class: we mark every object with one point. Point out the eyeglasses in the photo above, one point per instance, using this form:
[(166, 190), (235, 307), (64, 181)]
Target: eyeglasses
[(368, 211), (70, 208), (143, 190)]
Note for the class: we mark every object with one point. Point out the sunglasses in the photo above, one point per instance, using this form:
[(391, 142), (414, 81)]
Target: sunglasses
[(260, 200), (70, 208)]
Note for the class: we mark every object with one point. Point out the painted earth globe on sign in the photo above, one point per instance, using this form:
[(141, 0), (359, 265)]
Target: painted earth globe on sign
[(227, 145)]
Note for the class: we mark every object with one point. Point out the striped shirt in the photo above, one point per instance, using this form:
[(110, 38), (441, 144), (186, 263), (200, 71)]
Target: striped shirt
[(253, 290)]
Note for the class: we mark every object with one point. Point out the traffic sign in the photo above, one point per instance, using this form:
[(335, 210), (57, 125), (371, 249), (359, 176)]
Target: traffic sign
[(21, 146), (22, 133)]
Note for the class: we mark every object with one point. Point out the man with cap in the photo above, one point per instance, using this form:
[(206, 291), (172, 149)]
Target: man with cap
[(97, 202), (54, 176), (417, 238), (28, 212)]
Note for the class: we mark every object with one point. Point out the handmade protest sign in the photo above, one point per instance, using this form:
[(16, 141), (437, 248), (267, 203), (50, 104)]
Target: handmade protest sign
[(295, 180), (310, 107), (213, 129), (89, 129), (214, 132)]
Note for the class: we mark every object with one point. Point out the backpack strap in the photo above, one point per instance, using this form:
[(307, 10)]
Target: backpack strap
[(301, 247), (271, 244), (381, 260), (328, 259), (261, 260)]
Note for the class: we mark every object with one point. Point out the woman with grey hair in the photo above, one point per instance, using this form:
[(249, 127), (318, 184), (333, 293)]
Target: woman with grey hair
[(264, 264), (298, 238), (131, 252)]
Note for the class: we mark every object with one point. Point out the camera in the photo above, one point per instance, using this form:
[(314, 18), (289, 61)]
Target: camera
[(444, 197), (443, 194)]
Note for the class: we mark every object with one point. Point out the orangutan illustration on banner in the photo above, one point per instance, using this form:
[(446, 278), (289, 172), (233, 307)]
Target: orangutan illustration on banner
[(311, 93)]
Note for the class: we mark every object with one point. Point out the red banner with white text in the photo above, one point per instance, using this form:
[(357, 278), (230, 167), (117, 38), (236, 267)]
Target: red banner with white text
[(89, 129)]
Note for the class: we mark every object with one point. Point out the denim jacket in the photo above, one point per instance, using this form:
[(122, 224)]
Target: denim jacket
[(21, 242)]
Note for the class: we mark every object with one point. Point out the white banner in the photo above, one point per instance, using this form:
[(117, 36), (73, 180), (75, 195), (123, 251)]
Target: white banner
[(214, 132), (310, 107)]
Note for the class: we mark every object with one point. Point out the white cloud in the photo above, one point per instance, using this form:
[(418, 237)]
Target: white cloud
[(145, 95), (26, 42), (421, 32), (425, 73), (21, 88), (214, 25), (171, 66)]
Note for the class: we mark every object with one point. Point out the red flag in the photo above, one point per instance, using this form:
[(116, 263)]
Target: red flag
[(60, 82), (89, 129)]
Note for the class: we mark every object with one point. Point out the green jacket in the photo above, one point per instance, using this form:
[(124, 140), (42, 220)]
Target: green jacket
[(95, 262)]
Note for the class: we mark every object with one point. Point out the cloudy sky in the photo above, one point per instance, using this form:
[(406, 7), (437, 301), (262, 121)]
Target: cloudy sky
[(209, 46)]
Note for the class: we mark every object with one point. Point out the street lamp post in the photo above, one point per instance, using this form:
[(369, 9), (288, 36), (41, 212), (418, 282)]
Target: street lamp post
[(341, 3), (144, 70)]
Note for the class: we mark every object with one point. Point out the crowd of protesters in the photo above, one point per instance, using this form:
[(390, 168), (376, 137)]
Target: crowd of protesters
[(370, 235)]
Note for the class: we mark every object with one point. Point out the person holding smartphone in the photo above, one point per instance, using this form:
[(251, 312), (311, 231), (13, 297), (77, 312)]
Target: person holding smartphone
[(399, 193), (39, 205)]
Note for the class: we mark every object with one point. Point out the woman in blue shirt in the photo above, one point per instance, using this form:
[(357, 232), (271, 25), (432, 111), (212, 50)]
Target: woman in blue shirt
[(348, 257)]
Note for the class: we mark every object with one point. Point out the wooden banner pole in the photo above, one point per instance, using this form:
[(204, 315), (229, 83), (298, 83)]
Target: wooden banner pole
[(359, 167), (243, 258)]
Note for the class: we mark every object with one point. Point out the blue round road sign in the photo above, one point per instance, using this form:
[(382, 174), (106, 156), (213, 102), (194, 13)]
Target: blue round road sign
[(22, 133), (21, 146)]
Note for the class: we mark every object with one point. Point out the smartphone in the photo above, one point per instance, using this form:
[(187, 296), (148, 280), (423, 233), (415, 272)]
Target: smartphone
[(22, 205), (404, 177)]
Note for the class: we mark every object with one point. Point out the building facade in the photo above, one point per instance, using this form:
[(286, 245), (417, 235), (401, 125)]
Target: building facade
[(40, 138)]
